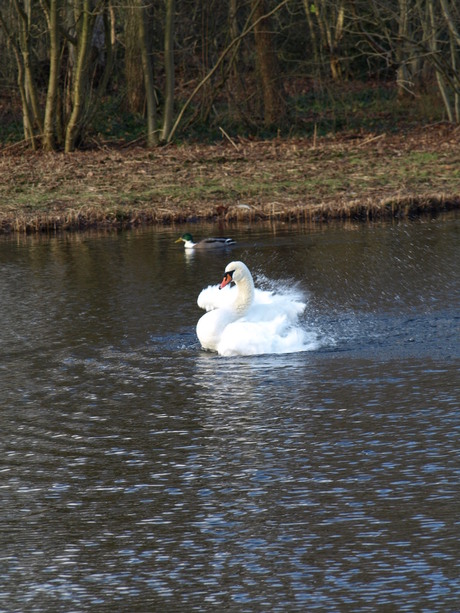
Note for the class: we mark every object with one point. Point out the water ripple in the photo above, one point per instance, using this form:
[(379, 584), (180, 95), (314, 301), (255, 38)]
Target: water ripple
[(140, 473)]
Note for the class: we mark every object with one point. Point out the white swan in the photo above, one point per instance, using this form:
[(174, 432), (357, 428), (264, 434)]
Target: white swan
[(243, 320)]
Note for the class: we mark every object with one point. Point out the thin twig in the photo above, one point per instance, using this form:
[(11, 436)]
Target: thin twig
[(229, 139), (369, 140)]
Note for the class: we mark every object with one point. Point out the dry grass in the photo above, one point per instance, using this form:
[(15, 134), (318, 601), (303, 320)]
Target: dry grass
[(356, 177)]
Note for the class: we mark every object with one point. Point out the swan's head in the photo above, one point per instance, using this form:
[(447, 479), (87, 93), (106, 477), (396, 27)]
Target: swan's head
[(236, 272)]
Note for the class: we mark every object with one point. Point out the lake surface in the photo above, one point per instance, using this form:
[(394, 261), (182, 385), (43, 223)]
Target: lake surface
[(140, 473)]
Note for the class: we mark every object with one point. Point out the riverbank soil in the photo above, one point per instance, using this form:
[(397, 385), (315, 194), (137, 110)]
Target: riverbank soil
[(347, 176)]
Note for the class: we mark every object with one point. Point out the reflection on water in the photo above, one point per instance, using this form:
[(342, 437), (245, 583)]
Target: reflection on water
[(141, 473)]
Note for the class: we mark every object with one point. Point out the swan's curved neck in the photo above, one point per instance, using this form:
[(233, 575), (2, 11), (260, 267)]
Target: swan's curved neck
[(245, 295)]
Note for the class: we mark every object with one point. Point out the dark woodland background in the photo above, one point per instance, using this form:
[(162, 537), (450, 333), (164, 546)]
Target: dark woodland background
[(77, 72)]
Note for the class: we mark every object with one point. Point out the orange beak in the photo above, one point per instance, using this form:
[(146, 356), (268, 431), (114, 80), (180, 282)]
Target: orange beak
[(226, 280)]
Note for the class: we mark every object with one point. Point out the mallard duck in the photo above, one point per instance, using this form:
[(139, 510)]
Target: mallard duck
[(206, 243), (244, 320)]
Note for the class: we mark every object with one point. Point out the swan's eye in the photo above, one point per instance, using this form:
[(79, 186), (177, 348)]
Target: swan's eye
[(230, 273)]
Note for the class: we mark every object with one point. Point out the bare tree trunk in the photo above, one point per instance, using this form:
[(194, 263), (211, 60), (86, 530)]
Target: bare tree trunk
[(33, 114), (169, 70), (135, 91), (80, 76), (454, 40), (330, 18), (403, 80), (268, 68), (456, 78), (104, 48), (334, 42), (27, 120), (439, 75), (147, 69), (238, 101), (308, 7), (52, 93)]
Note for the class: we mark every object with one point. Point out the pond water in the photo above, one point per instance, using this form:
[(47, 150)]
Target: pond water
[(140, 473)]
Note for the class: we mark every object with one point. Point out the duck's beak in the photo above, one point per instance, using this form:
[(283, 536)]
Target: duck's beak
[(179, 240), (226, 280)]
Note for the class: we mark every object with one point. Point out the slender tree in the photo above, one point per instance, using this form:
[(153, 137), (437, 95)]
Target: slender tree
[(267, 63), (453, 27), (32, 115), (133, 73), (85, 22), (168, 111), (330, 18), (49, 130), (147, 69)]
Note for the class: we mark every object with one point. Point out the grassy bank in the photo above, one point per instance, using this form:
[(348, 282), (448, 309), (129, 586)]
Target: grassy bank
[(348, 176)]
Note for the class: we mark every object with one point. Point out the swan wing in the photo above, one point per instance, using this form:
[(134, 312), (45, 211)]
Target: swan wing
[(212, 297), (268, 306), (211, 326), (243, 337)]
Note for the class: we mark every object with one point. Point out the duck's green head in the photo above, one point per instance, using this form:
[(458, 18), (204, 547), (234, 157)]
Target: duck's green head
[(185, 238)]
